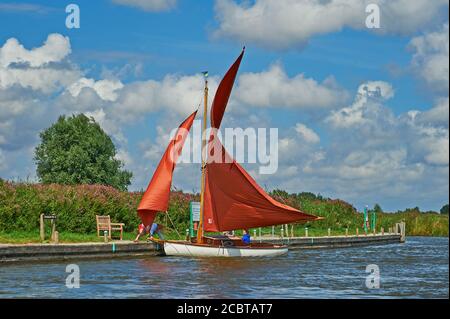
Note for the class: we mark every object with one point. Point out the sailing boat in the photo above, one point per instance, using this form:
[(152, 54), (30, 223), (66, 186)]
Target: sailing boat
[(230, 198)]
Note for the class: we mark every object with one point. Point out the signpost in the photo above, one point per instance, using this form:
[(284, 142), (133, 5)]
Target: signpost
[(42, 219), (194, 208)]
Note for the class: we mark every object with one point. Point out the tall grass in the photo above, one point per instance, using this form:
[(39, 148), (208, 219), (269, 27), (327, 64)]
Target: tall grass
[(76, 207)]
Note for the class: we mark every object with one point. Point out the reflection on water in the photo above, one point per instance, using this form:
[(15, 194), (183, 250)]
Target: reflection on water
[(416, 269)]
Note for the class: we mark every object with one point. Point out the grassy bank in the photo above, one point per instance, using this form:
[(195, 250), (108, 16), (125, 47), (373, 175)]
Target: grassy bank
[(76, 207)]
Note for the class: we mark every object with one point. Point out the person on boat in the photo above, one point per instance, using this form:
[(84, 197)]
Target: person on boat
[(246, 237), (228, 233), (151, 230)]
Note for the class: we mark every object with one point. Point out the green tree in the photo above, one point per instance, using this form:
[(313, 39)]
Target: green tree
[(75, 150), (444, 210), (377, 208)]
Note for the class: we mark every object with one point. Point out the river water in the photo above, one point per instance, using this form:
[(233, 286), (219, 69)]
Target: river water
[(417, 269)]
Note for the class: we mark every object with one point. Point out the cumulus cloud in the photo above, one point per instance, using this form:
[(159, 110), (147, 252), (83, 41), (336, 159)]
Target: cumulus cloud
[(55, 49), (40, 68), (273, 88), (431, 56), (177, 93), (368, 100), (149, 5), (437, 116), (307, 134), (106, 89), (290, 23), (370, 154), (28, 80)]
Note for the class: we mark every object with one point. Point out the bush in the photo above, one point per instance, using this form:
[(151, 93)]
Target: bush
[(76, 207)]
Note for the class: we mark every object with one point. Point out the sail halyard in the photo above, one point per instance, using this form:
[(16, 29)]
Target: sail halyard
[(204, 155)]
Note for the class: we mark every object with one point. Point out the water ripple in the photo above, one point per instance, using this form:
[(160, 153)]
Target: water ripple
[(416, 269)]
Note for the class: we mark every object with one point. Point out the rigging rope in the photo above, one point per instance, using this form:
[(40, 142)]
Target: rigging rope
[(170, 219)]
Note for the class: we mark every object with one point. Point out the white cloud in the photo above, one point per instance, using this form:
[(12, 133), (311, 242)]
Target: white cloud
[(149, 5), (55, 49), (438, 115), (28, 81), (39, 68), (370, 155), (376, 89), (289, 23), (307, 134), (431, 58), (106, 89), (180, 94), (367, 101), (47, 79), (273, 88)]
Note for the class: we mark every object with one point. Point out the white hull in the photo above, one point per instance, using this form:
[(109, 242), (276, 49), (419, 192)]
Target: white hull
[(186, 249)]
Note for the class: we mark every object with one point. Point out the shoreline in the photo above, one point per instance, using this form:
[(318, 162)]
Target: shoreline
[(50, 252)]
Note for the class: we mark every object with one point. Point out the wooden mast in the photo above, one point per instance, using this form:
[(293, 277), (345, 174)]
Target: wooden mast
[(202, 193)]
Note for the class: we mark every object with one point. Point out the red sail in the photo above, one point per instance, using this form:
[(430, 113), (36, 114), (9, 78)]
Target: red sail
[(233, 200), (156, 197), (223, 93)]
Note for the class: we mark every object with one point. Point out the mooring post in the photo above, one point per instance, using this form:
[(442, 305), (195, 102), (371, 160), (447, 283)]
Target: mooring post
[(41, 227), (382, 231), (329, 232), (403, 231), (357, 232), (254, 233), (56, 237), (53, 229), (273, 231), (292, 231), (105, 236), (306, 231), (188, 237), (346, 232), (260, 239), (282, 232)]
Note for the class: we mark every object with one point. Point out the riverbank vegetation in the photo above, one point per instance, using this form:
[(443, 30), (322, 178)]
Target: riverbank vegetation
[(76, 206)]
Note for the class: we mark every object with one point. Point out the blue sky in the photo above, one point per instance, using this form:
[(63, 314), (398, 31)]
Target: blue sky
[(136, 45)]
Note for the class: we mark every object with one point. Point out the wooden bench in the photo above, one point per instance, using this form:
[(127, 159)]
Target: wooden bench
[(104, 223)]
